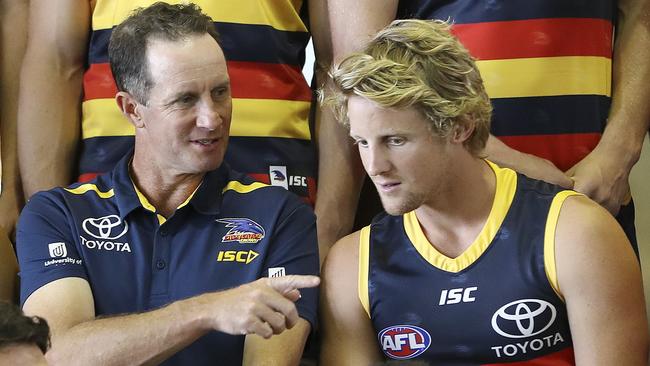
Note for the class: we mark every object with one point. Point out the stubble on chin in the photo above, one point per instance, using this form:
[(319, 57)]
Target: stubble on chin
[(398, 207)]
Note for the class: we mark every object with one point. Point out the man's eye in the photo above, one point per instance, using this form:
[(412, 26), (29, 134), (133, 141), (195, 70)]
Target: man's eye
[(362, 143), (187, 99), (396, 141), (219, 92)]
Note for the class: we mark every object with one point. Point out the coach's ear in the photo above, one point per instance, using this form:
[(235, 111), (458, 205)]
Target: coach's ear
[(463, 130), (130, 108)]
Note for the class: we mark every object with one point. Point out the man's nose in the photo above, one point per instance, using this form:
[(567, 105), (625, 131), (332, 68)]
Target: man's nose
[(375, 160), (208, 116)]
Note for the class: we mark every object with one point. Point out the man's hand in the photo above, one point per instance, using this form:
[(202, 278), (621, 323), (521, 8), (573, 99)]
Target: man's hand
[(264, 307), (603, 176), (527, 164)]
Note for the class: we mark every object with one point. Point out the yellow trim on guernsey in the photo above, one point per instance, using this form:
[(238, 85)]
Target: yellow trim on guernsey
[(549, 238), (364, 253), (251, 117), (88, 187), (506, 185), (243, 188), (280, 14), (571, 75)]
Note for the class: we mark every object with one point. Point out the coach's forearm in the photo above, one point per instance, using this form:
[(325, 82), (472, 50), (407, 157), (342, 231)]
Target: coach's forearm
[(135, 339)]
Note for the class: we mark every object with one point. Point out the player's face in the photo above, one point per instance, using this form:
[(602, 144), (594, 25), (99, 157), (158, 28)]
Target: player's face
[(187, 116), (408, 165)]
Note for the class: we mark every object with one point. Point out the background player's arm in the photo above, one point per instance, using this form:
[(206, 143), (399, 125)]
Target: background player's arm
[(601, 282), (603, 174), (340, 173), (320, 33), (263, 307), (8, 269), (282, 349), (347, 334), (13, 35), (528, 164), (50, 92)]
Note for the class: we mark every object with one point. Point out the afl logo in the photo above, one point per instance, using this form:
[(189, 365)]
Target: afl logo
[(402, 342), (107, 227), (523, 318)]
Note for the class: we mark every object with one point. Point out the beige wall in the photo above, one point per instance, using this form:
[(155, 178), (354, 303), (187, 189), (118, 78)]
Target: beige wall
[(640, 181)]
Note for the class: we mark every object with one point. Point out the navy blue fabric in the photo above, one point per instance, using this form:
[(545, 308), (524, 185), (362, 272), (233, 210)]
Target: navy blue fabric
[(133, 264), (405, 289)]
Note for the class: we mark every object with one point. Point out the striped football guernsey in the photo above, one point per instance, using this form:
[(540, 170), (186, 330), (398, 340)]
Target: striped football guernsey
[(264, 43), (498, 303), (546, 65)]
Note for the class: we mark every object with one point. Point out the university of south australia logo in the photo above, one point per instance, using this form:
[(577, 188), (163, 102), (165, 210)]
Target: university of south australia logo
[(57, 250)]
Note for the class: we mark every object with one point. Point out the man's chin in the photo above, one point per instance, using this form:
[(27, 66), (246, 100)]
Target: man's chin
[(395, 209), (396, 206), (203, 167)]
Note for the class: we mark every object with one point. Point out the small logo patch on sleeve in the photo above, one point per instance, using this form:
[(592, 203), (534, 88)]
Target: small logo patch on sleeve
[(276, 272)]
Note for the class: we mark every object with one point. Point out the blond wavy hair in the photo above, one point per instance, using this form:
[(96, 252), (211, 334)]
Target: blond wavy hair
[(417, 63)]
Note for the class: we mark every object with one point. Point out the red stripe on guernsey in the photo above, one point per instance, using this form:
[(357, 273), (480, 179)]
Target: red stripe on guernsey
[(87, 177), (256, 80), (262, 178), (561, 358), (537, 38), (250, 80), (98, 82), (564, 150)]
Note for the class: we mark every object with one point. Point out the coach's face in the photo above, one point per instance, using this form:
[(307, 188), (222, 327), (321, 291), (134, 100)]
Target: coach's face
[(186, 121)]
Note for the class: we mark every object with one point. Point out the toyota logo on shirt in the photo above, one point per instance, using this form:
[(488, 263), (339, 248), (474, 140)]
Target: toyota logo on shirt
[(108, 227), (523, 318)]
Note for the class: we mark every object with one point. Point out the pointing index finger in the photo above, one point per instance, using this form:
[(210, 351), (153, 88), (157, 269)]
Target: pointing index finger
[(286, 284)]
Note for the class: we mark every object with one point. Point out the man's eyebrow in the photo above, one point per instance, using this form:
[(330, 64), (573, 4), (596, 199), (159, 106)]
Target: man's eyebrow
[(222, 84)]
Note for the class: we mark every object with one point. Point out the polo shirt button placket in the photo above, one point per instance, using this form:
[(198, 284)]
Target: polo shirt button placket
[(160, 264)]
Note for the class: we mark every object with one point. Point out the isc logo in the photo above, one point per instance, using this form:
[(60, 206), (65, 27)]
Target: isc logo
[(457, 295), (241, 256), (297, 181), (403, 342)]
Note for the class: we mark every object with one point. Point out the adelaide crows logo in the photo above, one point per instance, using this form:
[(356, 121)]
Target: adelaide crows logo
[(277, 175), (242, 230)]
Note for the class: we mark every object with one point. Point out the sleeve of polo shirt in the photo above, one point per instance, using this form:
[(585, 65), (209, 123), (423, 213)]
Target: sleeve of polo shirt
[(45, 244), (295, 251)]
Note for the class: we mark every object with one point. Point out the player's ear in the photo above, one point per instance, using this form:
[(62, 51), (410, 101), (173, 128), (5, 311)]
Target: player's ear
[(130, 108), (462, 130)]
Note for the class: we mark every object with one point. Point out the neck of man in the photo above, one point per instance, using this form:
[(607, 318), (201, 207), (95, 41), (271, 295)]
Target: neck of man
[(454, 218), (163, 187)]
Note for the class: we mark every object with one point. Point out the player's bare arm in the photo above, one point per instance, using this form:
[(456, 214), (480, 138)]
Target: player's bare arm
[(600, 279), (603, 174), (51, 79), (342, 314), (340, 172)]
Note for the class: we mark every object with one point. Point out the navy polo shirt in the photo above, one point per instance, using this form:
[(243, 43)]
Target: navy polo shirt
[(231, 231)]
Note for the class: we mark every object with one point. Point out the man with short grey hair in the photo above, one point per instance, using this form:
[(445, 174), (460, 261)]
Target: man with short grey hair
[(172, 257)]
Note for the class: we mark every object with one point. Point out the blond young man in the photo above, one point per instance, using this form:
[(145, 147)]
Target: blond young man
[(471, 263)]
